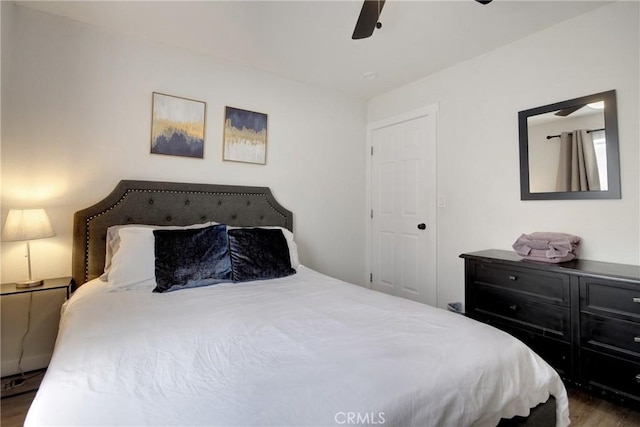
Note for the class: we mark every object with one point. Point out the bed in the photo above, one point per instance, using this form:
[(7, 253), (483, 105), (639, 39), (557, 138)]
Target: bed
[(286, 346)]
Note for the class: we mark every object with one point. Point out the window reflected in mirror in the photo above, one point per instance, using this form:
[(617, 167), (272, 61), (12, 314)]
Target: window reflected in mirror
[(569, 150)]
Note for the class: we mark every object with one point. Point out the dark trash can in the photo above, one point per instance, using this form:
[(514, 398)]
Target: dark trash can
[(455, 307)]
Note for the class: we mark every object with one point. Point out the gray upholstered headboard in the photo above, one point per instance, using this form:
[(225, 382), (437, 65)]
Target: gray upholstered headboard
[(167, 203)]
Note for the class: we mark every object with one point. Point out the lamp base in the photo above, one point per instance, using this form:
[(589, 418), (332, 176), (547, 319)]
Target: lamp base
[(29, 283)]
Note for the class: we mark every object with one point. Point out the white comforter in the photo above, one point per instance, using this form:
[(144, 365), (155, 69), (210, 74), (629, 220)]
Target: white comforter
[(302, 350)]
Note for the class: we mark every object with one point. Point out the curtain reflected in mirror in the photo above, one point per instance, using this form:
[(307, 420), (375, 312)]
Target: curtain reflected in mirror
[(562, 154), (569, 150), (578, 166)]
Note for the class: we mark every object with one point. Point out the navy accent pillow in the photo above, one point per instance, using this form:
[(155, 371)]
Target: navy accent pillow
[(258, 254), (189, 258)]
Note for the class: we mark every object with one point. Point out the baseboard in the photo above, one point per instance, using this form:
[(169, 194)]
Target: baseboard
[(30, 363), (16, 385)]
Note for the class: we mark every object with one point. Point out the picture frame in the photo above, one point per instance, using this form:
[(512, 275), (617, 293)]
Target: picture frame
[(177, 126), (245, 136)]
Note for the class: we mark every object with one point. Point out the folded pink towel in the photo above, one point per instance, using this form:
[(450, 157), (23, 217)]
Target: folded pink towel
[(547, 246)]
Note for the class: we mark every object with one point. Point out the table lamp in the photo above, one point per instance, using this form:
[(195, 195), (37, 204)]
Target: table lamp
[(27, 224)]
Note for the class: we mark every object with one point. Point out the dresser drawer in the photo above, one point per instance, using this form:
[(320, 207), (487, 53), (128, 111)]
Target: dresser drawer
[(549, 287), (556, 353), (606, 333), (512, 308), (611, 374), (614, 298)]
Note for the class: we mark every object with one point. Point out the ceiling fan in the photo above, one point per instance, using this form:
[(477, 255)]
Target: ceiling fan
[(566, 111), (369, 18)]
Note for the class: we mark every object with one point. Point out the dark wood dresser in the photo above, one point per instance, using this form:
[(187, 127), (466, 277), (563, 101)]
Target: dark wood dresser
[(583, 317)]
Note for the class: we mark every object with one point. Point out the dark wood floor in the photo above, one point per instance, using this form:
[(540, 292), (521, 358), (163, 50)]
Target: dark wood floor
[(16, 400), (585, 410), (14, 409), (589, 411)]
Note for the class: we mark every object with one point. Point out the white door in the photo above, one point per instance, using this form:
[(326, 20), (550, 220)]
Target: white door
[(403, 207)]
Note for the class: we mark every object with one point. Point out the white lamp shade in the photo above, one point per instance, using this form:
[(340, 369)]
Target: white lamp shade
[(27, 224)]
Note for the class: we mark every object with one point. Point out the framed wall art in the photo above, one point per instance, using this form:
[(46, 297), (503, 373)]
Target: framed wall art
[(245, 136), (177, 126)]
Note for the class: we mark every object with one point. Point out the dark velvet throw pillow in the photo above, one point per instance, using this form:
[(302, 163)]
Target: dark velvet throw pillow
[(189, 258), (258, 254)]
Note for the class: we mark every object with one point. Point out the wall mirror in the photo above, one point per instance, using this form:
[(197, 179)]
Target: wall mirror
[(569, 150)]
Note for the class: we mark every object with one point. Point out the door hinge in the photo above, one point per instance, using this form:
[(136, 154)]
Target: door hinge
[(370, 277), (371, 213), (372, 150)]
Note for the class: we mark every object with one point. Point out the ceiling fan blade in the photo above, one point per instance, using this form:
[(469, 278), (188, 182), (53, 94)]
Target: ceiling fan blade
[(566, 111), (368, 19)]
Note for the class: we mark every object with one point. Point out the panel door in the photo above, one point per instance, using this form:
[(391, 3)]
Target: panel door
[(403, 217)]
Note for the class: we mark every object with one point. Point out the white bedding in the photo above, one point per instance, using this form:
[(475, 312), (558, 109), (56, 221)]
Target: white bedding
[(302, 350)]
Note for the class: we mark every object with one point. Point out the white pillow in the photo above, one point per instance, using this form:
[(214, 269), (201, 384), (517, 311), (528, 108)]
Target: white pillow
[(288, 235), (132, 263), (112, 245)]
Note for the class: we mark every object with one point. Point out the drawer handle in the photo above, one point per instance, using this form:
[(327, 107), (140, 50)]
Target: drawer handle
[(636, 299), (514, 307), (638, 378), (636, 339), (514, 278)]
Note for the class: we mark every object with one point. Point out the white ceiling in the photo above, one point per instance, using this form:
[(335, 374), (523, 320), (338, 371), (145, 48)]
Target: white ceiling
[(310, 41)]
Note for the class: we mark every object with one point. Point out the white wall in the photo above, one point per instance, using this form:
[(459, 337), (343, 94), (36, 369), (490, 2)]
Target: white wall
[(478, 164), (77, 116), (76, 119)]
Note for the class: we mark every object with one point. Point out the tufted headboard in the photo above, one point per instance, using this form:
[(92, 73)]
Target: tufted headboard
[(167, 203)]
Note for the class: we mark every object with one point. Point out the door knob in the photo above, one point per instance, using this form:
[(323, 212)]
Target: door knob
[(422, 226)]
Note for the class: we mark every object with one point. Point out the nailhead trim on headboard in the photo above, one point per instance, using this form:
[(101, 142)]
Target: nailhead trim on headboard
[(171, 197)]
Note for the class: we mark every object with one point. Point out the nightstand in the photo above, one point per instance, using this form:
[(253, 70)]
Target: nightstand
[(36, 317), (49, 284)]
